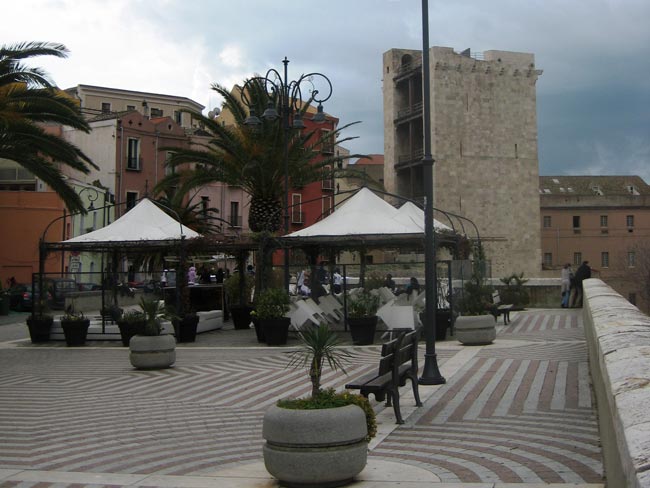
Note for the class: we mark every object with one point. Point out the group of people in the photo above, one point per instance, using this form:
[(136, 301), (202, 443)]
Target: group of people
[(572, 291)]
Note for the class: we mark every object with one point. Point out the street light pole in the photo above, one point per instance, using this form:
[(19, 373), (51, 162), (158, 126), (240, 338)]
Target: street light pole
[(289, 95), (430, 374)]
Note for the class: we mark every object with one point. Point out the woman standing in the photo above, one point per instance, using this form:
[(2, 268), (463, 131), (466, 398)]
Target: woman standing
[(565, 278)]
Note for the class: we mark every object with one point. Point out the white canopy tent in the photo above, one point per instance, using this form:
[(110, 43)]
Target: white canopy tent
[(365, 216), (144, 222)]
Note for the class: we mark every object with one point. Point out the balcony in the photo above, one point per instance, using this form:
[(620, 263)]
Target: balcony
[(327, 183), (408, 160), (297, 217), (134, 163), (413, 111)]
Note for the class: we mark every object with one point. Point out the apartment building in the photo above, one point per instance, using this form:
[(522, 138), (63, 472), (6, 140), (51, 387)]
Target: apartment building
[(601, 219), (484, 143)]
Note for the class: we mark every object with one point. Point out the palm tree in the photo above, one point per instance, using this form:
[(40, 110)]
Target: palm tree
[(28, 100), (253, 158)]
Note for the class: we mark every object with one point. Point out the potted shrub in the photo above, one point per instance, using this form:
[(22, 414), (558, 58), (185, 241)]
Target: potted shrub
[(307, 437), (75, 326), (185, 327), (131, 323), (362, 317), (515, 292), (271, 306), (238, 293), (151, 349), (475, 326), (40, 322)]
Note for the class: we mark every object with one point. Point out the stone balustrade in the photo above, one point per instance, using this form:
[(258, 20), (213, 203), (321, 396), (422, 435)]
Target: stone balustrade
[(618, 337)]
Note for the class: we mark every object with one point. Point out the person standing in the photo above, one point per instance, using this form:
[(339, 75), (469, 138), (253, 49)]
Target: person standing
[(338, 281), (582, 273), (565, 278), (389, 282)]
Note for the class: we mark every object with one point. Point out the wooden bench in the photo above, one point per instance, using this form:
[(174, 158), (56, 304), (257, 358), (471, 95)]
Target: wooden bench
[(499, 308), (398, 362)]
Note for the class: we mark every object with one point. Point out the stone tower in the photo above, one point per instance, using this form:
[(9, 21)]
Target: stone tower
[(484, 143)]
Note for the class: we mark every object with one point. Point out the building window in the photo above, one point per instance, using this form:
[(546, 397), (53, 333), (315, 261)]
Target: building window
[(604, 259), (577, 258), (296, 208), (328, 177), (632, 298), (133, 154), (178, 116), (548, 259), (156, 112), (235, 218), (327, 205), (327, 146), (603, 220), (131, 199), (629, 220), (205, 202), (631, 259), (106, 107), (576, 221), (547, 221), (130, 107)]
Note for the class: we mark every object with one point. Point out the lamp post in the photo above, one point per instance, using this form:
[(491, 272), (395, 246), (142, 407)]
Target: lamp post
[(289, 110), (430, 373)]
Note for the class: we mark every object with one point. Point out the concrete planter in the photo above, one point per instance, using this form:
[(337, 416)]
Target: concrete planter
[(362, 330), (475, 330), (75, 331), (152, 352), (315, 448)]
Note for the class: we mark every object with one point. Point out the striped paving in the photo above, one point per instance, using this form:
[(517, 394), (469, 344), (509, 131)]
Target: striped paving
[(518, 411), (517, 414)]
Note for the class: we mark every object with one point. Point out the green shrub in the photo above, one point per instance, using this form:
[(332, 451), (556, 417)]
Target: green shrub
[(363, 304), (330, 399), (271, 303)]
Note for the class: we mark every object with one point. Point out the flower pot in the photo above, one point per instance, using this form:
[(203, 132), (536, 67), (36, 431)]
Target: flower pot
[(259, 331), (5, 301), (275, 331), (363, 330), (185, 328), (443, 323), (475, 330), (241, 316), (39, 328), (325, 447), (152, 352), (75, 331), (129, 329)]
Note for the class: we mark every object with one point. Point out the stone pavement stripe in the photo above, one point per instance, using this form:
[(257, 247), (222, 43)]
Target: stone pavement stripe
[(508, 398), (558, 400), (530, 404), (490, 389), (584, 386)]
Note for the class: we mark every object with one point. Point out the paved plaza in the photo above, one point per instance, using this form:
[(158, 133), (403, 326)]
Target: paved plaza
[(517, 413)]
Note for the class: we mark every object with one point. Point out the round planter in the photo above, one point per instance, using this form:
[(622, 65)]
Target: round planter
[(275, 331), (129, 329), (75, 331), (241, 316), (363, 330), (39, 328), (323, 448), (475, 330), (152, 352), (185, 328)]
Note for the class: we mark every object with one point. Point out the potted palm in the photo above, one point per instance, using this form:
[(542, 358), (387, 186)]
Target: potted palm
[(130, 323), (151, 349), (362, 317), (307, 437), (40, 322), (238, 291), (75, 326), (271, 306)]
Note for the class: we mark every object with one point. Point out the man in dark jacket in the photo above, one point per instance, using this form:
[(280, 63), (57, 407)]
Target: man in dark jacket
[(582, 273)]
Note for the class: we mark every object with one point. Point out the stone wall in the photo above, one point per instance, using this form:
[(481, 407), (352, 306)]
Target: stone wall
[(618, 338)]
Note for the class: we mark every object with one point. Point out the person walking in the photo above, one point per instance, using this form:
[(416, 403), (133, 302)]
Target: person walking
[(565, 278), (582, 273), (338, 281)]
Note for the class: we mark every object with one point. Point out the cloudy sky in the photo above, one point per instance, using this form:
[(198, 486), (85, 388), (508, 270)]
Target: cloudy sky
[(593, 99)]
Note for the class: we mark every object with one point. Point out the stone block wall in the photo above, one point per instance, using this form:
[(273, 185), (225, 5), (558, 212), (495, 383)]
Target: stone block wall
[(618, 339)]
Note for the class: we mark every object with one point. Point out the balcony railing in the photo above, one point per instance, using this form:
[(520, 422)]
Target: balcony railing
[(297, 217), (327, 184), (408, 159), (414, 110), (134, 163)]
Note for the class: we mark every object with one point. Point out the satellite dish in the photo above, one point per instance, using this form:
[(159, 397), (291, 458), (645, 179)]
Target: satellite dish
[(214, 113)]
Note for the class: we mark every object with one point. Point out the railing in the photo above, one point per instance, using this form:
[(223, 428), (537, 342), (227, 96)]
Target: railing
[(327, 184), (235, 220), (410, 111), (412, 157), (297, 217)]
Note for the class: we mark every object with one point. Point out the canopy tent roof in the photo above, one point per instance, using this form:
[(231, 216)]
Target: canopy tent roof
[(367, 219), (143, 228), (144, 222)]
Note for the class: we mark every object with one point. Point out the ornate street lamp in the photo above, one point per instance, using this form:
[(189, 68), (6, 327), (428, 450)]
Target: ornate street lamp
[(289, 109), (430, 374)]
